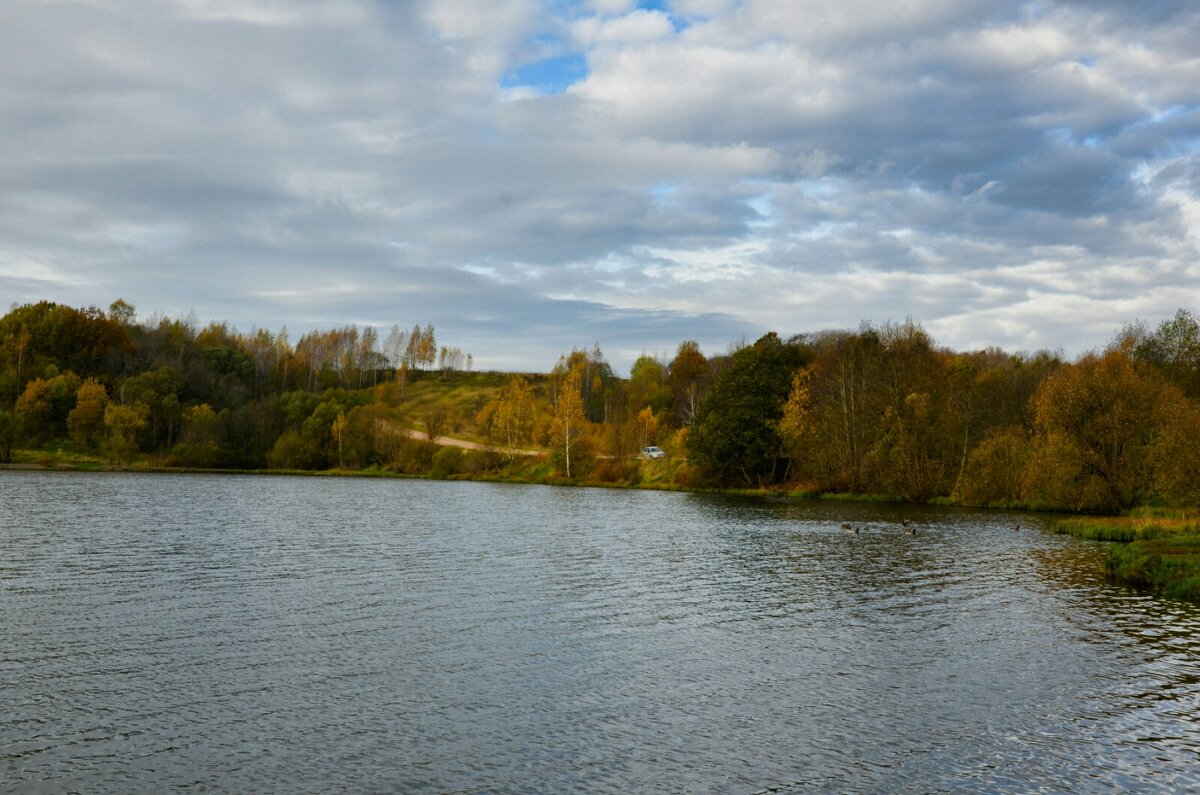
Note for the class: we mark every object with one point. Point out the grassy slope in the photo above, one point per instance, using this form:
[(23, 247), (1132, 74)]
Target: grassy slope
[(462, 395)]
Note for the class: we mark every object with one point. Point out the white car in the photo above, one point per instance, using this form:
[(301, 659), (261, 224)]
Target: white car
[(653, 452)]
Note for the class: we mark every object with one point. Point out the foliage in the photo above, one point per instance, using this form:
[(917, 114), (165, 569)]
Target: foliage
[(735, 438), (995, 469), (123, 423), (689, 375), (446, 461), (570, 426), (1096, 422), (200, 444), (507, 421), (46, 403), (876, 410), (9, 431), (86, 421)]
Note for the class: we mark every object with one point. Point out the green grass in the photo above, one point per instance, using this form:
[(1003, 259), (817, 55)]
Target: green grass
[(59, 455), (1124, 529), (1158, 549), (1169, 565)]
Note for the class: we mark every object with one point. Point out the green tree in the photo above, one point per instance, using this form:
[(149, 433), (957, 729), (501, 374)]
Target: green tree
[(200, 438), (648, 387), (735, 438), (10, 431), (157, 390), (1173, 348), (292, 451)]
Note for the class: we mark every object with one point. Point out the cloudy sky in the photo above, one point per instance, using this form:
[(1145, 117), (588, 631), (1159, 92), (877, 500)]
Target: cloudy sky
[(536, 175)]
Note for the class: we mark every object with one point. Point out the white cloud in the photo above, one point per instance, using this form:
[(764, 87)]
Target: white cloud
[(719, 168)]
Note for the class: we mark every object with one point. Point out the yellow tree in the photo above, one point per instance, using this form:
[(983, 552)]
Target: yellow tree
[(86, 420), (1096, 423), (508, 420), (124, 423), (338, 432), (797, 411), (570, 420), (647, 425), (1175, 457)]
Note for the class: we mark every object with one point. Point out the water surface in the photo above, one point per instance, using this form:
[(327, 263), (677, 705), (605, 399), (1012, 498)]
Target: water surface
[(245, 633)]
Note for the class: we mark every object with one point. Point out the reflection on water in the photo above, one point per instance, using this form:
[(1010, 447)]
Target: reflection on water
[(245, 633)]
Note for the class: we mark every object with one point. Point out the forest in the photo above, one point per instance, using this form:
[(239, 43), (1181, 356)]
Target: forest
[(878, 410)]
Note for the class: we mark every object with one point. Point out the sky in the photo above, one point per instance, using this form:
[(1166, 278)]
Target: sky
[(533, 176)]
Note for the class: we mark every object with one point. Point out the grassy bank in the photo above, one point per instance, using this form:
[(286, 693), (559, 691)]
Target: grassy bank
[(1155, 549)]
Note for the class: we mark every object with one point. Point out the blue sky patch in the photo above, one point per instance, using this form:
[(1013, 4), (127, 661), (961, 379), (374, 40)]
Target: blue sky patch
[(549, 75)]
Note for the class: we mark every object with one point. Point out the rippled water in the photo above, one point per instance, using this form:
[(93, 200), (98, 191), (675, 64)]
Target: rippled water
[(277, 634)]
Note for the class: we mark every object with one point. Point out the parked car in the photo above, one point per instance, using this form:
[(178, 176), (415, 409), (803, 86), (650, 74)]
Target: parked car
[(653, 452)]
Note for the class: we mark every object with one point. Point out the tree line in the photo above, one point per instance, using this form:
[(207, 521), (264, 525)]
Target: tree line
[(874, 410)]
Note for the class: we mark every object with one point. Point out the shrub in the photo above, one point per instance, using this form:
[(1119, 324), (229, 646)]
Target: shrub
[(446, 462)]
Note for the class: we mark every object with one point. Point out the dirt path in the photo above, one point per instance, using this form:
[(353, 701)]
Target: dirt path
[(447, 441)]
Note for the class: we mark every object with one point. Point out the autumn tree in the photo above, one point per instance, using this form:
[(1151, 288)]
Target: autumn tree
[(45, 404), (86, 421), (846, 402), (84, 341), (689, 374), (427, 349), (919, 448), (337, 430), (570, 423), (507, 420), (1096, 421), (123, 424), (121, 311), (1174, 454), (996, 468), (647, 427)]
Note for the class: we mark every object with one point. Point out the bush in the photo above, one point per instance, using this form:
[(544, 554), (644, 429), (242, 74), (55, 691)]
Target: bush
[(446, 462), (201, 455), (292, 451), (616, 470), (415, 457)]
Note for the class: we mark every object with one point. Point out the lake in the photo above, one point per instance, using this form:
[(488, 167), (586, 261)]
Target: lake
[(244, 633)]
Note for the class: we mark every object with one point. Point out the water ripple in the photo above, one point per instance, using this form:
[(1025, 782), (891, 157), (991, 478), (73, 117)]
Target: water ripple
[(274, 634)]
